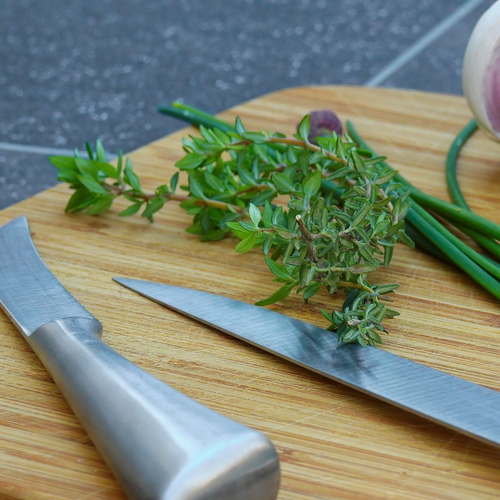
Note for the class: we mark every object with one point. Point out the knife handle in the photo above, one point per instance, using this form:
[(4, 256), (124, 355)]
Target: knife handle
[(159, 443)]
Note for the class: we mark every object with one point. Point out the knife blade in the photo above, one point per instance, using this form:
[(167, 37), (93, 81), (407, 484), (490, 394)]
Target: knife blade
[(456, 403), (159, 443)]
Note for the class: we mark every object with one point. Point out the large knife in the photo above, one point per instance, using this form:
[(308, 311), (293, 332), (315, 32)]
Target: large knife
[(159, 443), (451, 401)]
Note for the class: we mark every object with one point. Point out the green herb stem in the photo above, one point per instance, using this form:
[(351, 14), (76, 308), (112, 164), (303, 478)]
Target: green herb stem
[(488, 244), (118, 191), (422, 242), (485, 263), (195, 116), (446, 209), (451, 164), (455, 192), (461, 260)]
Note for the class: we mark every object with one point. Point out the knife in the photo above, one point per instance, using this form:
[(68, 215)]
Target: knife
[(159, 443), (463, 406)]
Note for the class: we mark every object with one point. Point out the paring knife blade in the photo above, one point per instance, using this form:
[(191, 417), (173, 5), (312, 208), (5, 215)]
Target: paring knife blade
[(159, 443), (463, 406)]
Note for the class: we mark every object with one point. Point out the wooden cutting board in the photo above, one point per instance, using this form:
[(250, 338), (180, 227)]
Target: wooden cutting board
[(333, 442)]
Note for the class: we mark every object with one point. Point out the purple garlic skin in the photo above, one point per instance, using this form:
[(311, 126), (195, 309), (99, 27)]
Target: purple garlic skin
[(481, 72), (323, 123), (492, 93)]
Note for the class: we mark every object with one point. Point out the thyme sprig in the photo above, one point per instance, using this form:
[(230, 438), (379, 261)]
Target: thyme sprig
[(433, 238), (324, 214)]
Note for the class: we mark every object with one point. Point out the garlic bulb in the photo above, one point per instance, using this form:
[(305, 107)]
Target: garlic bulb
[(481, 72)]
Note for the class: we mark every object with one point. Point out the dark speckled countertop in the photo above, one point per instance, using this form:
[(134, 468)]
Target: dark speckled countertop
[(72, 71)]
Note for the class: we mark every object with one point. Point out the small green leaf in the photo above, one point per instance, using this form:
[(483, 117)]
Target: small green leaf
[(67, 175), (245, 176), (278, 270), (280, 294), (238, 230), (256, 137), (388, 288), (89, 150), (306, 273), (381, 226), (284, 233), (385, 178), (108, 170), (255, 214), (388, 253), (213, 181), (304, 127), (268, 243), (239, 126), (394, 229), (327, 316), (173, 182), (316, 157), (190, 161), (312, 184), (103, 204), (267, 215), (311, 290), (153, 206), (63, 162), (263, 196), (130, 176), (404, 238), (195, 188), (249, 226), (87, 167), (351, 297), (359, 165), (131, 210), (367, 255), (341, 172), (296, 205), (282, 182), (79, 200), (92, 185), (361, 268), (101, 154), (195, 229), (247, 244)]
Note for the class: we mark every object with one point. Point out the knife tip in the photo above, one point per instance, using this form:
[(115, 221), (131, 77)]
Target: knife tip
[(123, 281)]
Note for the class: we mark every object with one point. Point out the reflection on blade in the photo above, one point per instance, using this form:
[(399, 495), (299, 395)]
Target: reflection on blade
[(30, 294), (460, 405)]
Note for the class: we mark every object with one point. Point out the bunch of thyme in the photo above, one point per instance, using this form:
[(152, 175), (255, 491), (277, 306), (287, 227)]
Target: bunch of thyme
[(342, 218), (430, 233)]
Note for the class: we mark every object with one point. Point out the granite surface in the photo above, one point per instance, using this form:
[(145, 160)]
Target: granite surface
[(82, 70)]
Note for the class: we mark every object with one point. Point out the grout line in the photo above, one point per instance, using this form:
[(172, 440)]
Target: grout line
[(423, 43), (40, 150)]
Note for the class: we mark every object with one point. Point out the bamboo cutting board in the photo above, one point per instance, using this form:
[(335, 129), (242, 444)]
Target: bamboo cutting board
[(333, 442)]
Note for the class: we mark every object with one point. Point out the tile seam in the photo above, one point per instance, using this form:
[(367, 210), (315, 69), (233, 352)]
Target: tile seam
[(41, 150), (422, 43)]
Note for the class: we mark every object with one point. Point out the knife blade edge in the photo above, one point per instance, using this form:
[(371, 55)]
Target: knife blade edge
[(451, 401)]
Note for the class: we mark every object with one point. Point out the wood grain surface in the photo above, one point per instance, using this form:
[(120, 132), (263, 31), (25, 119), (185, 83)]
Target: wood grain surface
[(333, 442)]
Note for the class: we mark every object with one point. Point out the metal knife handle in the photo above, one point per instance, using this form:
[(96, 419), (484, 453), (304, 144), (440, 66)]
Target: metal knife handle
[(159, 443)]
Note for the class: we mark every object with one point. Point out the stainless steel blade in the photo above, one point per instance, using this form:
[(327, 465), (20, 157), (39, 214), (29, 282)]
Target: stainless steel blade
[(29, 292), (159, 443), (456, 403)]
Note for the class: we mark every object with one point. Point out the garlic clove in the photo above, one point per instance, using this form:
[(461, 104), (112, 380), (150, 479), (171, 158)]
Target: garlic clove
[(481, 72)]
